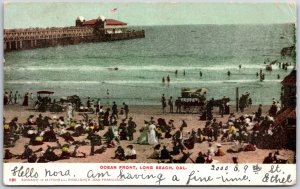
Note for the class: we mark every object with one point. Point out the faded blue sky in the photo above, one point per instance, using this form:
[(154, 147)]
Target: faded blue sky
[(23, 15)]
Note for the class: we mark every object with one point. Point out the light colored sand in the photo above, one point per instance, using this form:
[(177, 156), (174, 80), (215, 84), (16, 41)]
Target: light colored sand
[(139, 114)]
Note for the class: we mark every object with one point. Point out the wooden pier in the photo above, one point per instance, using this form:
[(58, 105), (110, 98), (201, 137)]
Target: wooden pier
[(31, 38)]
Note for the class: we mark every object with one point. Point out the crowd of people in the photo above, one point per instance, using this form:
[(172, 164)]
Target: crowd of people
[(246, 133)]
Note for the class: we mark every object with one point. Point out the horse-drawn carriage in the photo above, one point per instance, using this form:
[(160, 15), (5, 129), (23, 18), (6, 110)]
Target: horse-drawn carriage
[(44, 102), (192, 101), (75, 100)]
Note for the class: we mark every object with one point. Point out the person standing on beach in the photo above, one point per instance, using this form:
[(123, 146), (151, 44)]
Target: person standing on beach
[(200, 73), (176, 72), (88, 103), (178, 105), (16, 97), (170, 102), (240, 66), (228, 73), (183, 72), (5, 100), (163, 103), (131, 129), (215, 127), (168, 79), (259, 111), (163, 80), (249, 102), (10, 98), (114, 110), (98, 106), (25, 101), (126, 109)]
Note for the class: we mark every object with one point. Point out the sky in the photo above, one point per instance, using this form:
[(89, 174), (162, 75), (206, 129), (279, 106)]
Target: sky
[(24, 15)]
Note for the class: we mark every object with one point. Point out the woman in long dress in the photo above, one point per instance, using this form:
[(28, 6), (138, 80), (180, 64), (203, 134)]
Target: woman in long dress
[(143, 138), (152, 139), (25, 101)]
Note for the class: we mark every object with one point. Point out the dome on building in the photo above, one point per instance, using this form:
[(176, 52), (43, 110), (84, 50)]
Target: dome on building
[(81, 18), (102, 18)]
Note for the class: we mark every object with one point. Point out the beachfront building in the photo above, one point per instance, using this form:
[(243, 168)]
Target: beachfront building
[(288, 95), (109, 26), (287, 116)]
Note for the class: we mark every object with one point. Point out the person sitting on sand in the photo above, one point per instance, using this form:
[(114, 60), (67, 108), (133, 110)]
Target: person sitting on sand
[(209, 159), (184, 124), (110, 136), (190, 142), (50, 155), (269, 159), (30, 120), (8, 154), (65, 154), (178, 138), (27, 152), (200, 135), (50, 135), (200, 158), (250, 147), (183, 158), (164, 153), (210, 150), (235, 160), (36, 139), (130, 152), (220, 151), (155, 154), (120, 153), (168, 129)]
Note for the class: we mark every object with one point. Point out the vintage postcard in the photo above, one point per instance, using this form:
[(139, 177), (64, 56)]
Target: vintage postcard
[(161, 93)]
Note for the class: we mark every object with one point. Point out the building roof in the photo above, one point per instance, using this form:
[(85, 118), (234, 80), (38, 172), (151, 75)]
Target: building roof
[(110, 22), (290, 80)]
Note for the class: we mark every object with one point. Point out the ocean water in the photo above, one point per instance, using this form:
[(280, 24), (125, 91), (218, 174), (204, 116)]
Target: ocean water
[(88, 69)]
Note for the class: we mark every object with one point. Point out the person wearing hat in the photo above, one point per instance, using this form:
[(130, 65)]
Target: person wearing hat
[(130, 152), (130, 129), (220, 151), (65, 154), (123, 130)]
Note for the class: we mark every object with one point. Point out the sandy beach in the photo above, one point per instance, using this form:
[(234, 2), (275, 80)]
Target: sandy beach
[(139, 114)]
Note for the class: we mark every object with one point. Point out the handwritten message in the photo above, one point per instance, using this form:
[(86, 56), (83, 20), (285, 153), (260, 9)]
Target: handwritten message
[(149, 174)]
